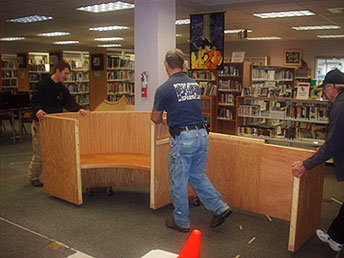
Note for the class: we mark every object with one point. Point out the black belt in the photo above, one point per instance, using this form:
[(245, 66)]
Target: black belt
[(175, 131)]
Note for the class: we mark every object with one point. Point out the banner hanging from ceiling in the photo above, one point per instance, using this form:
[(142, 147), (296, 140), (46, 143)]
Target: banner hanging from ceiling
[(207, 40)]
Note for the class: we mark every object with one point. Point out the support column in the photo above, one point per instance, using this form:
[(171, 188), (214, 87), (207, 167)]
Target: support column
[(155, 34)]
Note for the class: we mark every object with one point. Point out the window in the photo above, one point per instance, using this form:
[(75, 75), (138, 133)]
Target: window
[(326, 64)]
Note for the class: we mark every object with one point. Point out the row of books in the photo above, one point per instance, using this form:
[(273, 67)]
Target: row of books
[(205, 105), (288, 133), (270, 74), (225, 113), (230, 70), (77, 64), (9, 64), (230, 85), (9, 74), (38, 60), (37, 67), (82, 99), (282, 90), (305, 111), (78, 76), (6, 82), (121, 75), (35, 76), (114, 98), (120, 87), (117, 62), (78, 88), (226, 98), (202, 75)]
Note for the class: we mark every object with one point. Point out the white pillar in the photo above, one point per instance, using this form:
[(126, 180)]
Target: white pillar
[(155, 34)]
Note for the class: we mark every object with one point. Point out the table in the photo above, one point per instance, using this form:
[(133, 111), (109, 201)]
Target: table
[(13, 112)]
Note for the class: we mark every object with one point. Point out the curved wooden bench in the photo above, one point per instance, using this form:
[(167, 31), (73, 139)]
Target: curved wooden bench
[(116, 160)]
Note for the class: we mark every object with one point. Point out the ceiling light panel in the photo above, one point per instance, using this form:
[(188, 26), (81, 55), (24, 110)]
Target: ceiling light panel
[(108, 28), (330, 36), (183, 21), (110, 45), (108, 7), (264, 38), (236, 31), (283, 14), (320, 27), (29, 19), (53, 34), (108, 39), (66, 42), (11, 38)]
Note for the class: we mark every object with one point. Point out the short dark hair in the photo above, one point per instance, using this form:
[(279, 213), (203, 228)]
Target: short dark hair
[(61, 65), (175, 58)]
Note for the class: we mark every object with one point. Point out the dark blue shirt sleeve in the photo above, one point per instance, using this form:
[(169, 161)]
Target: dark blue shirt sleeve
[(159, 104)]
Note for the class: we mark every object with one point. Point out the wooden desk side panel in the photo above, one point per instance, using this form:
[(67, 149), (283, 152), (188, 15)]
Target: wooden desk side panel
[(61, 158), (159, 184), (306, 207), (115, 132), (233, 167)]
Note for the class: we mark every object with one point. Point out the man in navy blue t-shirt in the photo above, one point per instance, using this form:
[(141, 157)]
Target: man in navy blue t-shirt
[(180, 97)]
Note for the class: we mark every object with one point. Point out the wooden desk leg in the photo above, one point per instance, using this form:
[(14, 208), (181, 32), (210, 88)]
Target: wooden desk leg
[(13, 127), (20, 125)]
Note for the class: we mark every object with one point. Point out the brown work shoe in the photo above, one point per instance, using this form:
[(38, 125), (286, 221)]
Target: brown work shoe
[(219, 219), (36, 183), (171, 224)]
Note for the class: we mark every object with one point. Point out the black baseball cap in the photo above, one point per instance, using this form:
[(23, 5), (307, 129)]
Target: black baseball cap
[(333, 77)]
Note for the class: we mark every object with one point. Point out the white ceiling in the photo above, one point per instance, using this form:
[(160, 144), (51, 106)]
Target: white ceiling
[(238, 15)]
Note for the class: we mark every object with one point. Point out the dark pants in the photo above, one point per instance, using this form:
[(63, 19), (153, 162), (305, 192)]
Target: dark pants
[(336, 230)]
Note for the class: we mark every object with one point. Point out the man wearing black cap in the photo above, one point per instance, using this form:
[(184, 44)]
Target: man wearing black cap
[(333, 87)]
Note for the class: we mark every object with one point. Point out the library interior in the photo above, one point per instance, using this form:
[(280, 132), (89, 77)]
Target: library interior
[(261, 69)]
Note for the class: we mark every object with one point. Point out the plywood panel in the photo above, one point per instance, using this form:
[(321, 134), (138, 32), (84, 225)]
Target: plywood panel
[(233, 168), (160, 148), (102, 177), (275, 196), (61, 158), (306, 207)]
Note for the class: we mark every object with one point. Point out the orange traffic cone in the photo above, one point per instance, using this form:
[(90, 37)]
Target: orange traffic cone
[(192, 247)]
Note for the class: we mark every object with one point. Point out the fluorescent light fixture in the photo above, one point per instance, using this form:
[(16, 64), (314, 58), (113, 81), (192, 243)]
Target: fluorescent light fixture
[(107, 28), (110, 45), (236, 31), (320, 27), (182, 22), (330, 36), (11, 38), (66, 42), (108, 7), (33, 18), (283, 14), (53, 34), (264, 38), (178, 35), (108, 39)]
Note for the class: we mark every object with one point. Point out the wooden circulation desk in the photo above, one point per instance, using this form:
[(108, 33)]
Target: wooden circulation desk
[(127, 149)]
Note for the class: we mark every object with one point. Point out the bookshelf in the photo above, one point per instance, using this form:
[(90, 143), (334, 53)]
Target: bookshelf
[(120, 76), (231, 82), (39, 67), (208, 104), (8, 73), (285, 121), (273, 81), (78, 80), (207, 80)]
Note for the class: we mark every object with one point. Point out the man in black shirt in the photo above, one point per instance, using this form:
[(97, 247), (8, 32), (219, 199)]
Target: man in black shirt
[(50, 96)]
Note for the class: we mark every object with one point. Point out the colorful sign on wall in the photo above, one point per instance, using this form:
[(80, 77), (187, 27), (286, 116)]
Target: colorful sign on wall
[(207, 40)]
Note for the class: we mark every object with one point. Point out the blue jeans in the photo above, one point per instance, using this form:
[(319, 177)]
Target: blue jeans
[(186, 162)]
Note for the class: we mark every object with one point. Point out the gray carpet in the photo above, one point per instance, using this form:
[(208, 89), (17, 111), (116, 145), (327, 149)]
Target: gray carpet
[(123, 225)]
